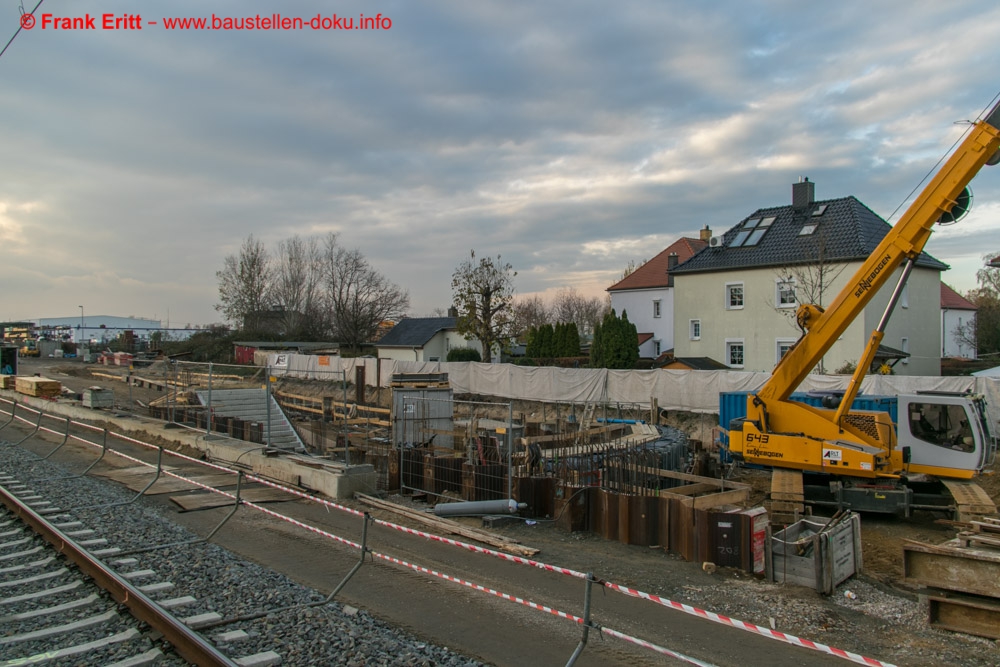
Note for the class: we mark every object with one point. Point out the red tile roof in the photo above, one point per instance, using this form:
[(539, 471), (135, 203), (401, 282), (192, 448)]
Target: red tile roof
[(953, 300), (643, 337), (654, 272)]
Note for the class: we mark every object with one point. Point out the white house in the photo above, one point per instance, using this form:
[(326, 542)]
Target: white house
[(958, 320), (735, 300), (647, 295), (423, 339)]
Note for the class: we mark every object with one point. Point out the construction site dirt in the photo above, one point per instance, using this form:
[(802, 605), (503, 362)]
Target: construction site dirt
[(876, 614)]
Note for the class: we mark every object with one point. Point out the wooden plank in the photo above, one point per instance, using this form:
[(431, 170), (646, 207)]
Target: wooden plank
[(208, 500), (722, 498), (985, 527), (969, 539), (673, 474), (453, 527), (694, 489)]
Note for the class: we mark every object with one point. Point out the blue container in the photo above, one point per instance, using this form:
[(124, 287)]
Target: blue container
[(733, 405)]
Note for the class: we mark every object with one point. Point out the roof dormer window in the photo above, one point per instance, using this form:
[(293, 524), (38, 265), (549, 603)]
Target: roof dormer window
[(752, 232)]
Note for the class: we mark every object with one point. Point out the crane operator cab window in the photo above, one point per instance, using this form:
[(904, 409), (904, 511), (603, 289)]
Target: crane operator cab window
[(942, 425)]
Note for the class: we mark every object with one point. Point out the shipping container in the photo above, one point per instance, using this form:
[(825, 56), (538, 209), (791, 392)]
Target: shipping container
[(733, 405)]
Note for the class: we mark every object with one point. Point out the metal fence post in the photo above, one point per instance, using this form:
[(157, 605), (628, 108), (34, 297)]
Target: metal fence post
[(510, 450), (208, 408), (586, 620), (267, 403), (347, 439)]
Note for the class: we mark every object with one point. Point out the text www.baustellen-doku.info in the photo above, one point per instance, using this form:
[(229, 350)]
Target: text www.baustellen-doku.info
[(50, 21)]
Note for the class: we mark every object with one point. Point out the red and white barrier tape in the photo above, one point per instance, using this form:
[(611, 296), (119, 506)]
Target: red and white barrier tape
[(688, 609), (750, 627)]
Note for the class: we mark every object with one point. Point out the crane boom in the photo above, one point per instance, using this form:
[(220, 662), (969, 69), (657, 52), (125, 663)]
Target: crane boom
[(905, 240), (785, 433)]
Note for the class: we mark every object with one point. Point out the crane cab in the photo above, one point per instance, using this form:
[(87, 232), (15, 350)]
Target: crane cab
[(947, 434)]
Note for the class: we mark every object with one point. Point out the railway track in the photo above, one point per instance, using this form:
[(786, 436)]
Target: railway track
[(67, 596), (90, 574)]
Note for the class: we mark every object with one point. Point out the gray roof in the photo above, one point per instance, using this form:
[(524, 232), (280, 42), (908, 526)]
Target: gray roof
[(415, 331), (847, 230)]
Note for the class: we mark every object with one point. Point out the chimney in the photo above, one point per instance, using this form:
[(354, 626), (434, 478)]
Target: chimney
[(803, 193), (452, 312), (706, 234), (671, 263)]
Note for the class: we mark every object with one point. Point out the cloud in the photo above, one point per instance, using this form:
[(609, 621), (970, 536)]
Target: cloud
[(568, 137)]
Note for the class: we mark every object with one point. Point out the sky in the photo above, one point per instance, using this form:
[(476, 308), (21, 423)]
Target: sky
[(569, 137)]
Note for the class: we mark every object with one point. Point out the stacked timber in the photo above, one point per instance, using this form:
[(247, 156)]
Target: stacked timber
[(38, 386), (961, 579), (7, 381), (786, 503), (420, 381)]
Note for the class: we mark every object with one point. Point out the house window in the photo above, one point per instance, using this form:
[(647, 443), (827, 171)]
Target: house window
[(734, 296), (734, 353), (785, 294), (904, 298), (656, 307), (783, 346), (905, 347), (695, 329), (656, 348), (808, 229)]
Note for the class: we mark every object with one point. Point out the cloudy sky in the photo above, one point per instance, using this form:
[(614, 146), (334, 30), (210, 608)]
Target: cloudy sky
[(569, 137)]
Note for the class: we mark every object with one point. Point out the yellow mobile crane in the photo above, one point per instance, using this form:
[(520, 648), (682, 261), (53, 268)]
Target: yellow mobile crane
[(876, 465)]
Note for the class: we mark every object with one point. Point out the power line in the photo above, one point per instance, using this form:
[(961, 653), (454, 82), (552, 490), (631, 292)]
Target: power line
[(20, 27)]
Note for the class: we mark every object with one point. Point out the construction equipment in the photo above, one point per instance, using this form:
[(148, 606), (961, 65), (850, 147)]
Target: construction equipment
[(29, 348), (858, 459)]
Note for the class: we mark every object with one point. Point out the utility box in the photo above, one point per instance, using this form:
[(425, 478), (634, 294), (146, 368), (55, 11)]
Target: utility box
[(817, 553), (97, 397), (422, 417)]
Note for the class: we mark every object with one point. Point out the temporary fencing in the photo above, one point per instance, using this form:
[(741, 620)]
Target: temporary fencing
[(34, 418)]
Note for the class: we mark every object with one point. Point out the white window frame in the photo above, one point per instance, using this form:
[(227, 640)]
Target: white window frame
[(728, 350), (777, 293), (904, 345), (904, 297), (729, 296), (656, 347), (778, 343), (692, 325), (657, 308)]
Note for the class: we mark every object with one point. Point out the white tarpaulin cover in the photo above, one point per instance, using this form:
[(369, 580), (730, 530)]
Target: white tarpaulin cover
[(689, 391)]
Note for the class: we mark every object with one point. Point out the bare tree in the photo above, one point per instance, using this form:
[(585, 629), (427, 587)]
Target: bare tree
[(808, 280), (245, 284), (571, 306), (530, 311), (983, 332), (483, 294), (298, 271), (358, 297)]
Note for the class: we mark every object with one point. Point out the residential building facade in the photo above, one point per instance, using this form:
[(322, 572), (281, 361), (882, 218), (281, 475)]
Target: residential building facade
[(736, 300), (958, 325), (647, 295)]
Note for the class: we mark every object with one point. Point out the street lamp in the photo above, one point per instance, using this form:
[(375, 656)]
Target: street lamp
[(81, 323)]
